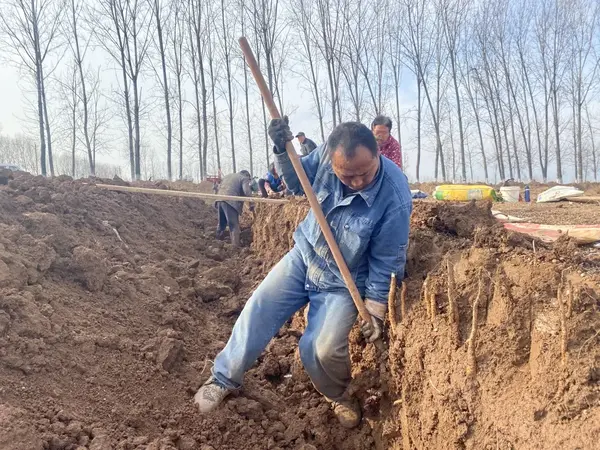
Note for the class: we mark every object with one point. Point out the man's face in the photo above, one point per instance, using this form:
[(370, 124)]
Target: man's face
[(301, 139), (381, 132), (357, 172)]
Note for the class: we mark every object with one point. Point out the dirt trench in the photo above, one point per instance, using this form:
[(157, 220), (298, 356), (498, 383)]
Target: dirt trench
[(527, 376), (112, 307)]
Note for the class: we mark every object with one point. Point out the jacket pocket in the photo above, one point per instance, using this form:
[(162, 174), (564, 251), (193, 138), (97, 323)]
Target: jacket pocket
[(353, 238)]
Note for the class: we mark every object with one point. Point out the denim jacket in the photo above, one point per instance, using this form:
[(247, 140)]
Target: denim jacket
[(370, 226)]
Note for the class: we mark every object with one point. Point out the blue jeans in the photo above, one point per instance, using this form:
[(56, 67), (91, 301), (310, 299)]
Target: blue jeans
[(324, 344)]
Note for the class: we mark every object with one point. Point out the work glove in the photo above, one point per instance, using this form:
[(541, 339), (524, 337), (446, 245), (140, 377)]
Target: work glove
[(372, 331), (280, 133)]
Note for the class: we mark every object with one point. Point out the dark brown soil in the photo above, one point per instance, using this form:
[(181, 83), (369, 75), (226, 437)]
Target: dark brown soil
[(112, 307)]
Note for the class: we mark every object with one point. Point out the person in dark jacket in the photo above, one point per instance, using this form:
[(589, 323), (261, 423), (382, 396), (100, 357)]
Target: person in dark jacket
[(306, 145), (237, 184)]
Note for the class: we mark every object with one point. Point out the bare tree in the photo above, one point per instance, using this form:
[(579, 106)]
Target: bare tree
[(30, 31), (592, 143), (329, 33), (196, 17), (227, 43), (453, 13), (79, 46), (350, 51), (158, 10), (211, 54), (177, 39), (243, 13), (584, 34), (395, 61), (309, 62)]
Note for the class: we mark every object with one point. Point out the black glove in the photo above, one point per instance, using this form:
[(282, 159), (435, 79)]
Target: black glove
[(280, 133), (373, 330)]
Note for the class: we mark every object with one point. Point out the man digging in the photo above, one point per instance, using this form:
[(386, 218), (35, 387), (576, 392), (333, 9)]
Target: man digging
[(367, 202)]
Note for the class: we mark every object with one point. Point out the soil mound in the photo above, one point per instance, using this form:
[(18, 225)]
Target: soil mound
[(113, 305)]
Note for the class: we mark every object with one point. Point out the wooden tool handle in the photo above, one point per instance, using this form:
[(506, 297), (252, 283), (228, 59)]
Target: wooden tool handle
[(306, 186), (170, 193)]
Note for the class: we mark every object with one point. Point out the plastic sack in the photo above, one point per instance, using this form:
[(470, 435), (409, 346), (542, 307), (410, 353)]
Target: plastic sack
[(464, 192), (557, 193)]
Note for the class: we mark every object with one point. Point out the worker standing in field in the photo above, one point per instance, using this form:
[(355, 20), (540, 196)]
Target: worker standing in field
[(367, 202), (388, 145), (306, 145), (237, 184)]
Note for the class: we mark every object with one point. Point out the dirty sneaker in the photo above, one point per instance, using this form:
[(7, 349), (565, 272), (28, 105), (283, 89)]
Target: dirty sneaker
[(347, 412), (210, 396)]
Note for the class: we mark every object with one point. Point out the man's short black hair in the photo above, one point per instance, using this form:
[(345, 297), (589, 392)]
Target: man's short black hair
[(348, 136), (245, 173), (382, 120)]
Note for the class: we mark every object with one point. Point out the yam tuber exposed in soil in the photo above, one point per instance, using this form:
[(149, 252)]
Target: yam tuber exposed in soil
[(392, 305), (472, 341), (452, 306)]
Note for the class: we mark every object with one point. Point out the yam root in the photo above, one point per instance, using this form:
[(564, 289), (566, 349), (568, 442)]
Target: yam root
[(392, 305), (472, 341), (403, 302), (563, 324), (425, 295), (453, 307)]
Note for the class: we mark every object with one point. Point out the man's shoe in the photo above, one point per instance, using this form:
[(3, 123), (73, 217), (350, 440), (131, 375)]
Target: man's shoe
[(347, 412), (210, 396)]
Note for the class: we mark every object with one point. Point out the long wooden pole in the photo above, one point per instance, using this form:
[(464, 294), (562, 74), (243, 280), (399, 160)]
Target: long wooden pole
[(170, 193), (306, 186)]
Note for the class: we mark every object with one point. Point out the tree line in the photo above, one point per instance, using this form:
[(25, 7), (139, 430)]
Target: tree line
[(477, 90)]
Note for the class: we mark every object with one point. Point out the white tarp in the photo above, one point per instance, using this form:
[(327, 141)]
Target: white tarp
[(557, 193)]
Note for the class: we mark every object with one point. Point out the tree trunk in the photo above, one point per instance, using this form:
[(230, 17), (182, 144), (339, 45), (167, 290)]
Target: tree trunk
[(580, 132), (84, 96), (136, 124), (229, 91), (215, 118), (47, 123), (41, 119), (543, 167), (127, 101), (594, 163), (514, 138), (419, 114), (479, 133), (397, 95), (204, 108), (559, 178), (165, 88), (458, 110), (180, 122), (74, 123), (248, 127)]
